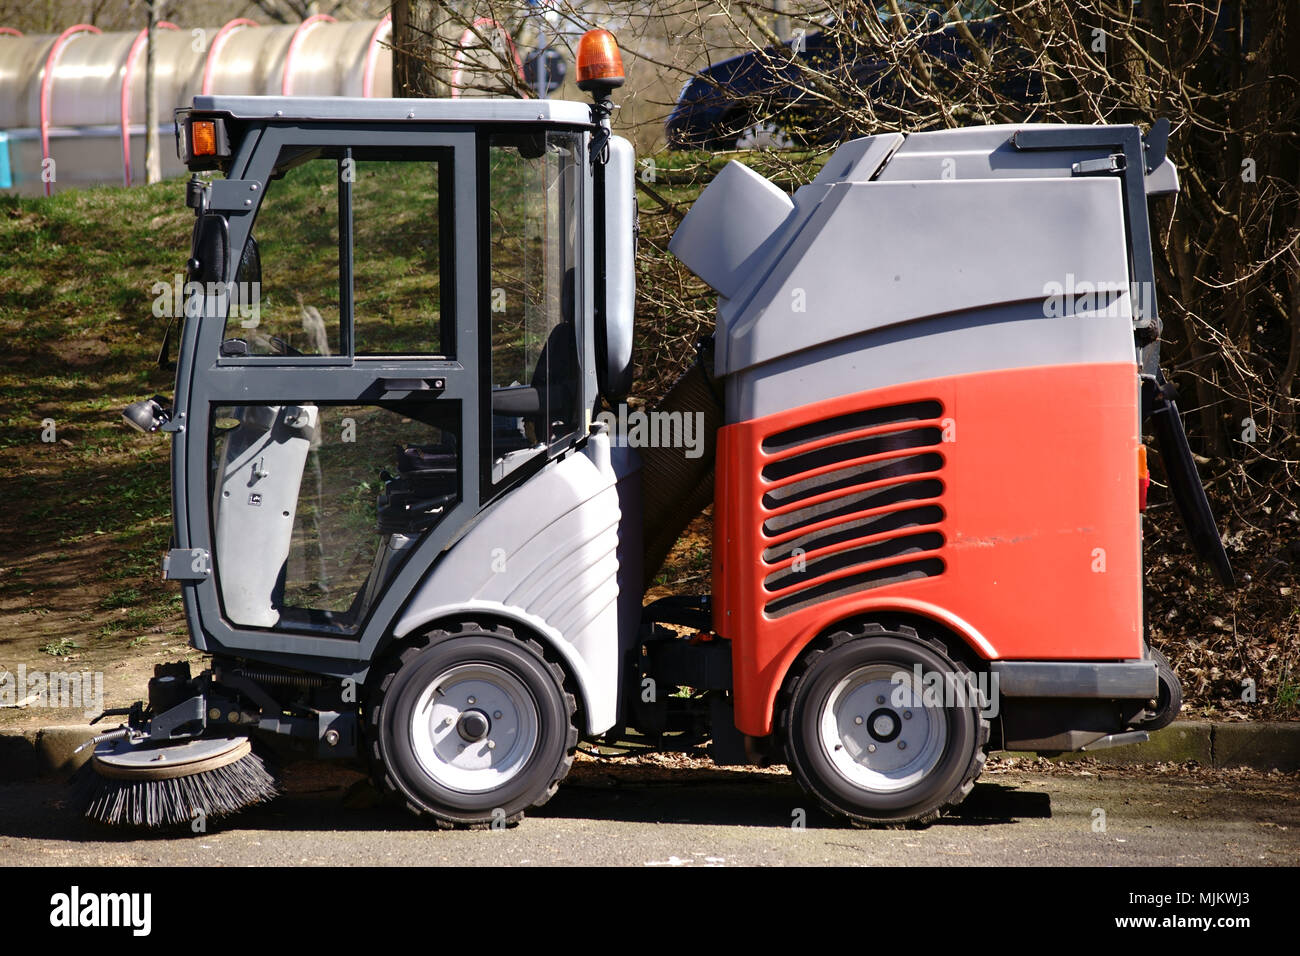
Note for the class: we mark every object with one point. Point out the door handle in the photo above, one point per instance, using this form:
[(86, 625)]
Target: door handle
[(408, 385)]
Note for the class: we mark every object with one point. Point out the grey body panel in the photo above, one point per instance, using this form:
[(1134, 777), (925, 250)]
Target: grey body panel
[(1121, 680), (1163, 180), (976, 340), (728, 226), (558, 555), (986, 152), (981, 152), (888, 268), (858, 161), (920, 250)]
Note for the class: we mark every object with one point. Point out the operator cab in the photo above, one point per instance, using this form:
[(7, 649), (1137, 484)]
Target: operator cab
[(398, 304)]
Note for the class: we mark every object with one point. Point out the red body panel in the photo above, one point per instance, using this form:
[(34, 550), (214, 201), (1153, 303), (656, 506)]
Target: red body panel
[(1040, 554)]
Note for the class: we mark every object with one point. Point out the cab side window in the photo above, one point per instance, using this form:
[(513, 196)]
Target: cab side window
[(294, 309), (401, 244), (394, 300)]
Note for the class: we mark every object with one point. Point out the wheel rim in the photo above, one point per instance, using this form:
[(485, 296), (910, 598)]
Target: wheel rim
[(877, 731), (474, 727)]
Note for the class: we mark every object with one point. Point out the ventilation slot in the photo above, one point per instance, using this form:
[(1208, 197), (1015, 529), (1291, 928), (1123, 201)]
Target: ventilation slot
[(845, 451), (852, 530), (850, 557), (843, 424), (864, 580), (853, 502), (881, 516)]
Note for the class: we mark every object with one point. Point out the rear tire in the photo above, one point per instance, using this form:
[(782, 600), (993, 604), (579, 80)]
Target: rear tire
[(1169, 699), (861, 736), (471, 725)]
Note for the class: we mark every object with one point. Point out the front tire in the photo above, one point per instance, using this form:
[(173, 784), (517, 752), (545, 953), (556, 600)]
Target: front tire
[(470, 725), (868, 740)]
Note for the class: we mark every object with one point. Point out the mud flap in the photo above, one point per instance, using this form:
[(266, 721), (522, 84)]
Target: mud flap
[(1160, 407)]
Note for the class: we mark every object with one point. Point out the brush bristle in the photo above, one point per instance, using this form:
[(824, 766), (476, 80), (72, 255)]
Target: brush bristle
[(163, 803)]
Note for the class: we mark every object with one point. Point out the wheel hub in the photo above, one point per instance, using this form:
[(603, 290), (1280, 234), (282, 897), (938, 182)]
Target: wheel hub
[(474, 727), (884, 725), (878, 732)]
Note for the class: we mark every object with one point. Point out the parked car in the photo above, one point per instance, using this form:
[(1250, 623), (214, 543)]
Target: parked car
[(761, 98)]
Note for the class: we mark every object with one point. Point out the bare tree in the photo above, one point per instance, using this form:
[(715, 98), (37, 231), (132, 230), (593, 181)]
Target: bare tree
[(417, 47)]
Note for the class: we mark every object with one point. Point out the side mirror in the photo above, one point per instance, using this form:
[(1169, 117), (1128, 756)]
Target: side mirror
[(210, 248), (147, 415)]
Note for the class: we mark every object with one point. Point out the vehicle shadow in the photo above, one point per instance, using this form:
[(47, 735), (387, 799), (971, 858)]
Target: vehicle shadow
[(341, 800)]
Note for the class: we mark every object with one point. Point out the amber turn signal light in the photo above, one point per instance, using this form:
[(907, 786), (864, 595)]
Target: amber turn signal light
[(203, 138), (600, 65)]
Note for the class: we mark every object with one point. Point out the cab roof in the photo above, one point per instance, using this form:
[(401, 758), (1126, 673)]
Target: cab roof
[(364, 109)]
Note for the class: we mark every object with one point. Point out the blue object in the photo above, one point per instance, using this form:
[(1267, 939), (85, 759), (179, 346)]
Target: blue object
[(544, 71), (6, 178)]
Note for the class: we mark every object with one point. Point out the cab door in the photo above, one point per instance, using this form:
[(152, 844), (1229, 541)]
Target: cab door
[(329, 438)]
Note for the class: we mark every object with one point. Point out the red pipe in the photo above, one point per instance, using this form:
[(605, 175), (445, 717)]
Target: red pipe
[(372, 55), (286, 87), (47, 87), (140, 40), (218, 42)]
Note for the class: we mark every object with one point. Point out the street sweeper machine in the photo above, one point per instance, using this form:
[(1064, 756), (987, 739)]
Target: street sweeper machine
[(415, 520)]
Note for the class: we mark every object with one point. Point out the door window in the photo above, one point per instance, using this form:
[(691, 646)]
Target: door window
[(355, 250), (294, 309), (315, 506), (400, 238)]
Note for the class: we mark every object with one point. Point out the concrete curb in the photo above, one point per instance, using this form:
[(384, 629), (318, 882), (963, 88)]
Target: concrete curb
[(1255, 745), (48, 752)]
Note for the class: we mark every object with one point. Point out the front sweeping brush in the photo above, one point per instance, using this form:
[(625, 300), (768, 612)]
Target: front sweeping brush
[(136, 783)]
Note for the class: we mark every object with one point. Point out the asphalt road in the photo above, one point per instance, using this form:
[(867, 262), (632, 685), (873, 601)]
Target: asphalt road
[(673, 816)]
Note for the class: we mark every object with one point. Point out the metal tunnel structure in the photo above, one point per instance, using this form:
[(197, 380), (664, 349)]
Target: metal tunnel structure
[(72, 106)]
